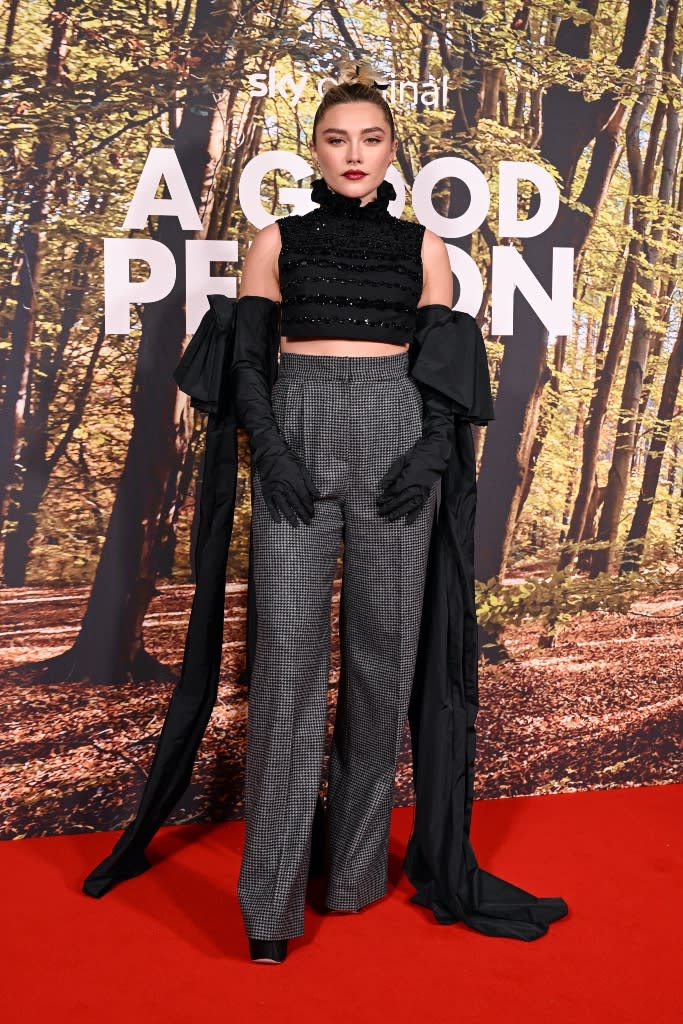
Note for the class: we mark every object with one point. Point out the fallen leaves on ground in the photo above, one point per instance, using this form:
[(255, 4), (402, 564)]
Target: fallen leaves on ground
[(601, 709)]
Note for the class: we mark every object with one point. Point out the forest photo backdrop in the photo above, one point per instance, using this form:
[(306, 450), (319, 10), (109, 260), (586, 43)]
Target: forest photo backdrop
[(580, 513)]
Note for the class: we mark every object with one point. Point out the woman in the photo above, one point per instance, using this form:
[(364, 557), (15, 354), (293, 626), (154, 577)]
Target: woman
[(344, 408), (357, 434)]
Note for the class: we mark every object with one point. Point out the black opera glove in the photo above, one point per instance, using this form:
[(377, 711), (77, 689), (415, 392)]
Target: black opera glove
[(447, 359), (409, 479), (287, 487)]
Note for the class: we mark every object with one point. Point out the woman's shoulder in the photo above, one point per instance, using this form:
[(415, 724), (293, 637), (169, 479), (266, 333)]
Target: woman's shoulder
[(433, 245), (437, 273), (259, 273), (266, 241)]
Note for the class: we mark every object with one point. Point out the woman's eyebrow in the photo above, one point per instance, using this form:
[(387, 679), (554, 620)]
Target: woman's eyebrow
[(342, 131)]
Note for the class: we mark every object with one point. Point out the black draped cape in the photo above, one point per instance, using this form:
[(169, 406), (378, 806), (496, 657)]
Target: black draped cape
[(447, 353)]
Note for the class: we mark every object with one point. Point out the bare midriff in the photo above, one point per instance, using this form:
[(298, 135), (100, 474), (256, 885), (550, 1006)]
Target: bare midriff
[(339, 347)]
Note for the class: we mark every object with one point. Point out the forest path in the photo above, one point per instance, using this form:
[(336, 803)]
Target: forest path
[(602, 708)]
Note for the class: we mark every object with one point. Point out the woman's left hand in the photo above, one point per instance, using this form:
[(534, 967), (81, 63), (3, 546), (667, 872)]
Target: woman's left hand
[(409, 479), (406, 485)]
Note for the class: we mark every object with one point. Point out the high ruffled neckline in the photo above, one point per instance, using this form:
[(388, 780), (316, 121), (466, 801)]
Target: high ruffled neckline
[(349, 206)]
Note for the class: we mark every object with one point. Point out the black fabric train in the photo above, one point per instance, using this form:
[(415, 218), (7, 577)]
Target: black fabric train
[(446, 352)]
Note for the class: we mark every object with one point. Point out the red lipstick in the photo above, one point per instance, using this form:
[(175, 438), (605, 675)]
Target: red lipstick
[(355, 175)]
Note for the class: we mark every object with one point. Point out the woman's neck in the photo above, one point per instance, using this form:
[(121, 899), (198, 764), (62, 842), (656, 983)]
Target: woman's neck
[(350, 206)]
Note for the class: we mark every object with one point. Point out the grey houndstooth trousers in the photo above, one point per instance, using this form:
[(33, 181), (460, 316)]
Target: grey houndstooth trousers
[(348, 418)]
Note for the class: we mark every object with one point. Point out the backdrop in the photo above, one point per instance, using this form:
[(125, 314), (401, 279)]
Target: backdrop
[(143, 146)]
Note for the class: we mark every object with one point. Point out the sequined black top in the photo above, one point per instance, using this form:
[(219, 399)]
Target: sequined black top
[(350, 271)]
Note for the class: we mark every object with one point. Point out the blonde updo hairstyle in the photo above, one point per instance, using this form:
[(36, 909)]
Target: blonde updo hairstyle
[(359, 82)]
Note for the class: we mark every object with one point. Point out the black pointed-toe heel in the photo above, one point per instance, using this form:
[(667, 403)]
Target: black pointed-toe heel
[(268, 951)]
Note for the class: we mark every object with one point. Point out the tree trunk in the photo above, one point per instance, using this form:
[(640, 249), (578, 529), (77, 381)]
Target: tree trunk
[(509, 439), (542, 430), (11, 22), (38, 466), (598, 410), (545, 420), (653, 355), (633, 552), (17, 368), (578, 517), (607, 374), (110, 646), (595, 500), (177, 489), (604, 556), (666, 293)]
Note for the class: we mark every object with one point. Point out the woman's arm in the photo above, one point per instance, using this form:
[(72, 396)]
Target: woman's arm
[(437, 276), (260, 271), (407, 483), (287, 487)]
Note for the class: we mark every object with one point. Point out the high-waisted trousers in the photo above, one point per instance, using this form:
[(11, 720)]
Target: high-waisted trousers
[(348, 418)]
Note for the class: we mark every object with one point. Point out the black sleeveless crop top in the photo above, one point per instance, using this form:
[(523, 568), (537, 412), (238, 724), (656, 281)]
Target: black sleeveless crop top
[(350, 271)]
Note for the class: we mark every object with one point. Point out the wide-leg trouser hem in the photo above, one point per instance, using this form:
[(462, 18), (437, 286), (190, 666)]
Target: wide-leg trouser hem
[(350, 898), (280, 933)]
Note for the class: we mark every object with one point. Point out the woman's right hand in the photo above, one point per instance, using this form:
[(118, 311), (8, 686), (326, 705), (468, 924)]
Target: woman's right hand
[(287, 487)]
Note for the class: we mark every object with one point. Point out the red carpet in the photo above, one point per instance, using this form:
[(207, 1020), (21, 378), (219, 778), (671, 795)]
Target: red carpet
[(169, 946)]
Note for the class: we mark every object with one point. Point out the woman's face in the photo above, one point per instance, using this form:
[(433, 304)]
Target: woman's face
[(354, 137)]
